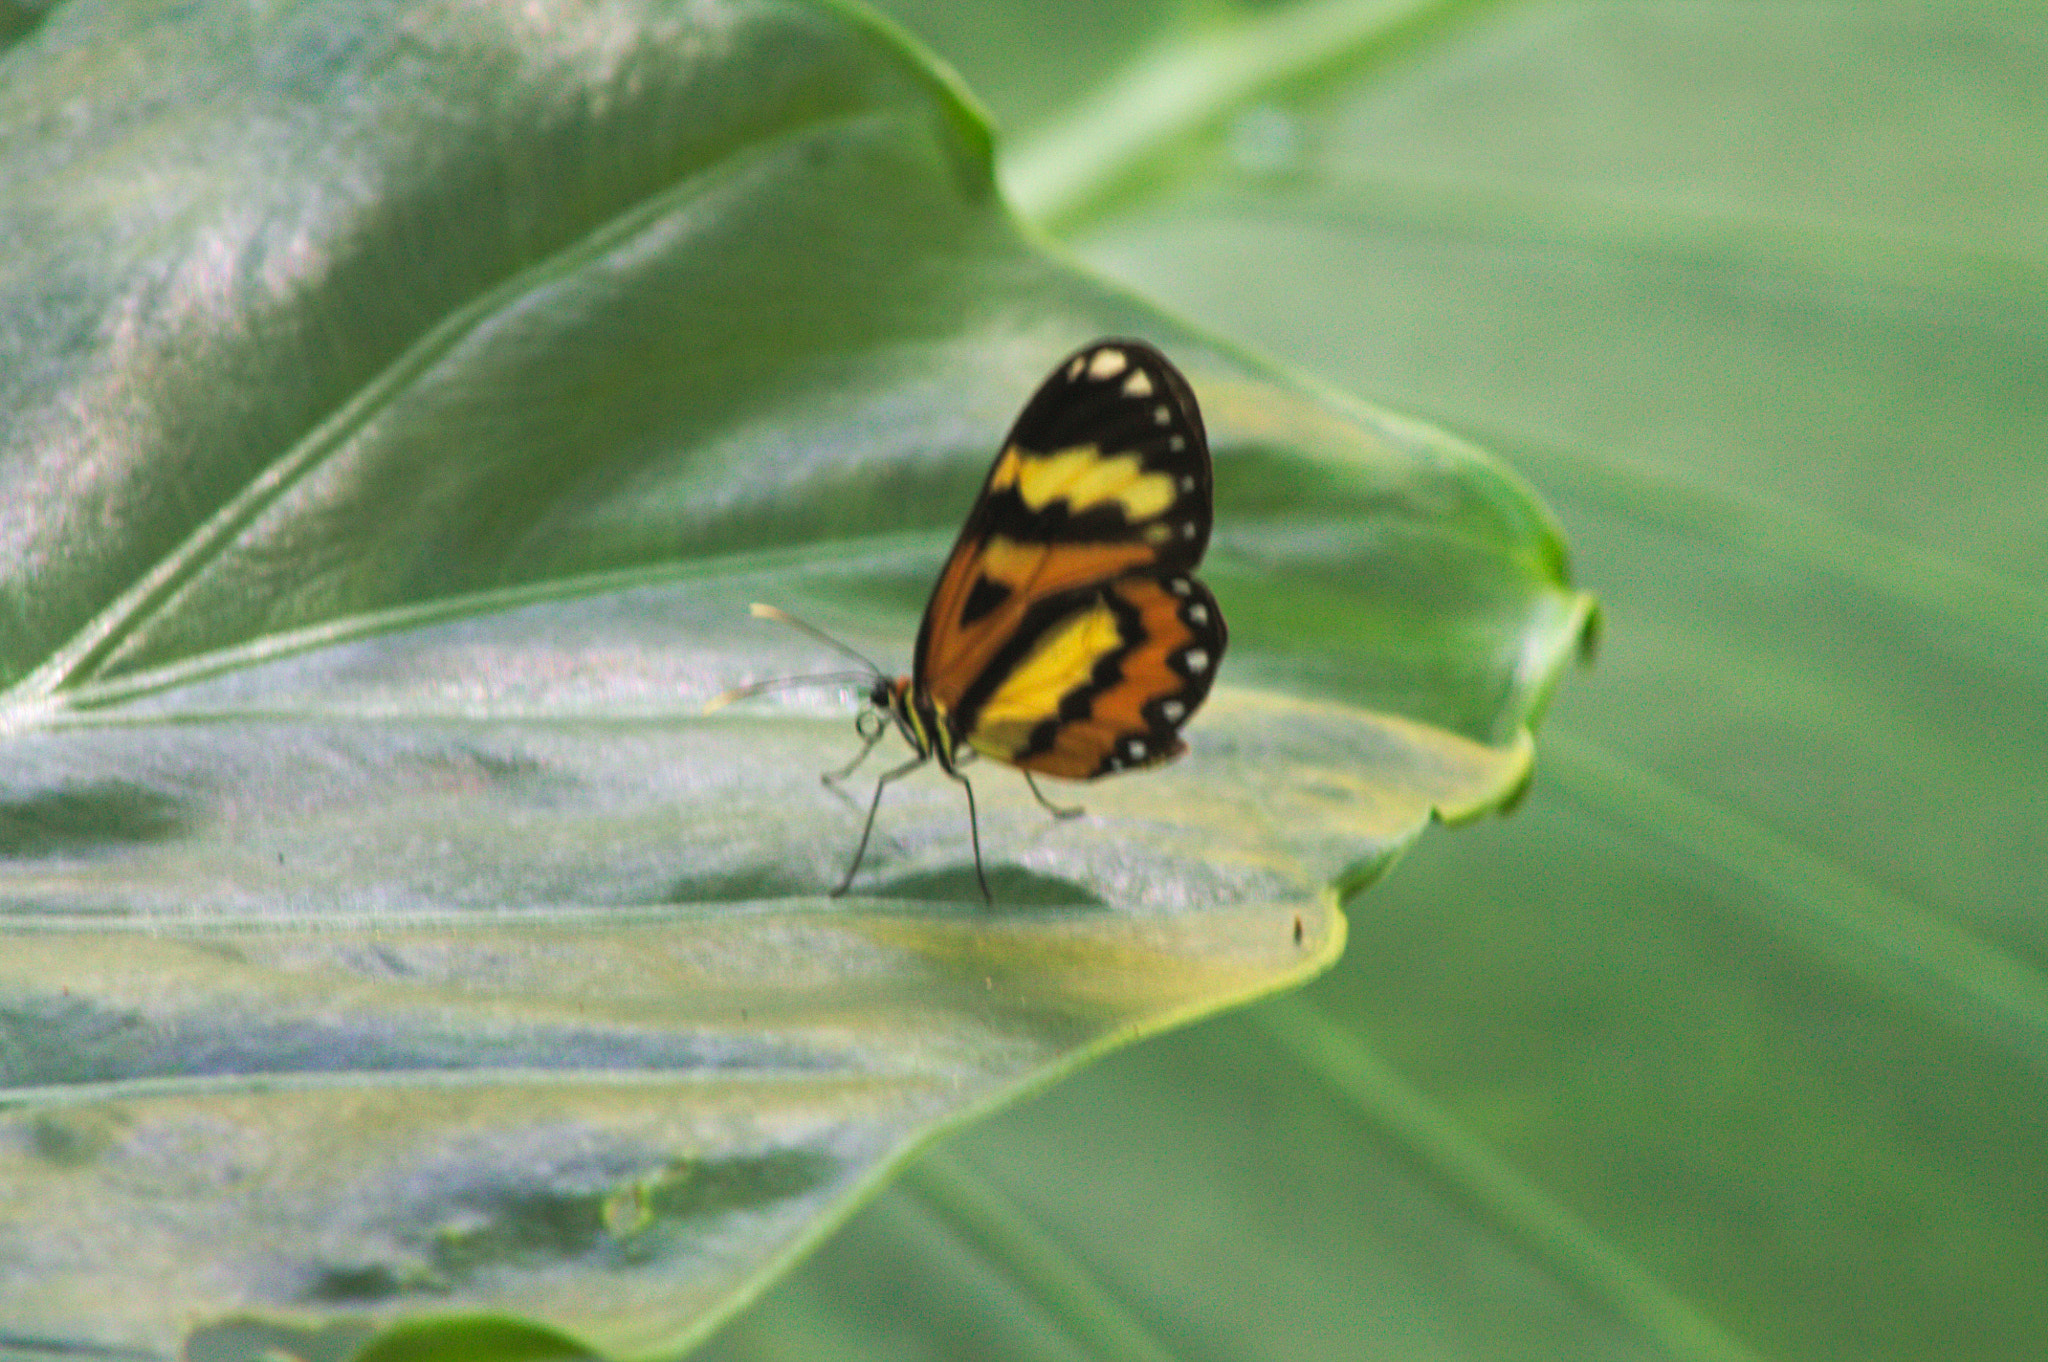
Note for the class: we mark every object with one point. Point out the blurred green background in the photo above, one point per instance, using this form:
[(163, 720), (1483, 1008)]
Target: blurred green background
[(1732, 1041)]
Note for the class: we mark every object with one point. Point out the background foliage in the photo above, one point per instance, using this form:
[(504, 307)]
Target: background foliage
[(1733, 1041)]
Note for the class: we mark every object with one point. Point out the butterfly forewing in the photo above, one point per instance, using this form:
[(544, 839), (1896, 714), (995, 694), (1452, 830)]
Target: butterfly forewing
[(1066, 634)]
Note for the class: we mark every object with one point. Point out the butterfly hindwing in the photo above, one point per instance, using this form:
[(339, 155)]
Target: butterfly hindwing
[(1066, 634), (1107, 684)]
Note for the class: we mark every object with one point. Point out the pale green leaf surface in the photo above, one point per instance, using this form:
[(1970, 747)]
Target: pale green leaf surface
[(1733, 1042), (414, 397)]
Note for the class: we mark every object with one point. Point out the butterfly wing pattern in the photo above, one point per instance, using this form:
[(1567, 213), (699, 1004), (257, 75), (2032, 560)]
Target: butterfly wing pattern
[(1067, 634)]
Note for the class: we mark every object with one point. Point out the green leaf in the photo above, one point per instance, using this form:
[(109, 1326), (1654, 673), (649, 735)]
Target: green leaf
[(413, 399), (1731, 1042)]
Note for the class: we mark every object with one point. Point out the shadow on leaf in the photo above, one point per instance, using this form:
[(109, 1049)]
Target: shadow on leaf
[(88, 818)]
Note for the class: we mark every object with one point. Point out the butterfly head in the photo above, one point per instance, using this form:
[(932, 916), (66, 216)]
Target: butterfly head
[(890, 696)]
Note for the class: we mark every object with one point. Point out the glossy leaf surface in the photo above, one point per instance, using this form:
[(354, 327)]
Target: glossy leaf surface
[(416, 396)]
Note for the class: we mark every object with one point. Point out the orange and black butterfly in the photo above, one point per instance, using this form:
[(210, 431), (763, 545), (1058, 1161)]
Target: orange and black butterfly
[(1067, 634)]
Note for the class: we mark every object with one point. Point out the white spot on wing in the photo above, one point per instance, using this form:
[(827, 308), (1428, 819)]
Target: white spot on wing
[(1174, 711), (1187, 484), (1162, 415), (1198, 613), (1176, 443), (1139, 384), (1197, 660), (1178, 586), (1074, 369), (1107, 363)]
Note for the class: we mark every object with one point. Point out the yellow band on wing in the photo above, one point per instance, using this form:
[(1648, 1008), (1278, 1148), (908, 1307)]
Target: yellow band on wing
[(1064, 658), (1083, 477)]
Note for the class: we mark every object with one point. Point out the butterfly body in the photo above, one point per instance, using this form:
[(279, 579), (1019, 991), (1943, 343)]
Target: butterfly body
[(1067, 634)]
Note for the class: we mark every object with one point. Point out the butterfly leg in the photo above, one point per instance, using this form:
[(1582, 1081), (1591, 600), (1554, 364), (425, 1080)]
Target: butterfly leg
[(867, 828), (871, 733), (1056, 810), (974, 832)]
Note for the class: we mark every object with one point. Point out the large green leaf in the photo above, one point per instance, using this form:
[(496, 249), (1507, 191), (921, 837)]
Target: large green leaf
[(410, 400), (1734, 1041)]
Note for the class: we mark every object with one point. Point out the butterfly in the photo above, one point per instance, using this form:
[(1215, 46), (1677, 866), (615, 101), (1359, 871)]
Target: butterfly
[(1067, 634)]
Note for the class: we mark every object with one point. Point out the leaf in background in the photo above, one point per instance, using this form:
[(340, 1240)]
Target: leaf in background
[(1731, 1043), (412, 399)]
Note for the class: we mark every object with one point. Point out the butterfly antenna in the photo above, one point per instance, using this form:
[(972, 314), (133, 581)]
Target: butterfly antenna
[(726, 697), (769, 612)]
